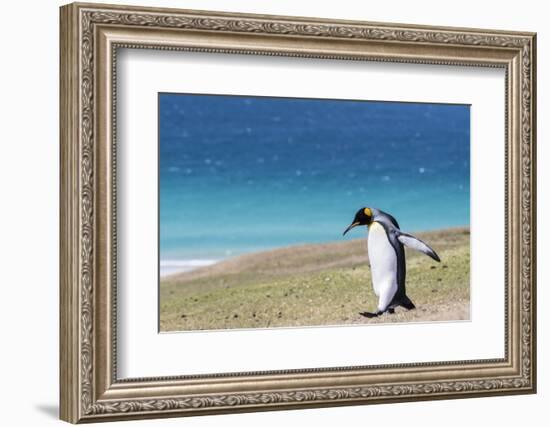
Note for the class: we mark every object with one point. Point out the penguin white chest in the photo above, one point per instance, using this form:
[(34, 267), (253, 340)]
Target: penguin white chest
[(383, 261)]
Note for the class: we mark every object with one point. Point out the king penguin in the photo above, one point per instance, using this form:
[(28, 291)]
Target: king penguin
[(387, 258)]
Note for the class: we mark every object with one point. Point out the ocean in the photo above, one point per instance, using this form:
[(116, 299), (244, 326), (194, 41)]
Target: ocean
[(241, 174)]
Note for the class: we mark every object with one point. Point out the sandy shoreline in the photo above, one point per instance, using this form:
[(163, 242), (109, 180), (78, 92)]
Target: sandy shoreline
[(192, 268)]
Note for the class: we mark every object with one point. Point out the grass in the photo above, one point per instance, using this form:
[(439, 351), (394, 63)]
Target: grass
[(326, 284)]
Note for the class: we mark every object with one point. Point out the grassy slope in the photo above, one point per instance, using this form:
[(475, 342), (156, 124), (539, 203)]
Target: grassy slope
[(316, 285)]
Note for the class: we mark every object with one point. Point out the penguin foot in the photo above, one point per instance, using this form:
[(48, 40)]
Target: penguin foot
[(368, 314)]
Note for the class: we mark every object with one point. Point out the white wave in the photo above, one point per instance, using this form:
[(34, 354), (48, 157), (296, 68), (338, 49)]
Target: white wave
[(173, 266)]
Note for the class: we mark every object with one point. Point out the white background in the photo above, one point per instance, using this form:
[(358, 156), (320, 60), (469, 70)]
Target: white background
[(145, 353), (29, 171)]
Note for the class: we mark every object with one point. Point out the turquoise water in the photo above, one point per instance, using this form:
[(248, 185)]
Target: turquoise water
[(242, 174)]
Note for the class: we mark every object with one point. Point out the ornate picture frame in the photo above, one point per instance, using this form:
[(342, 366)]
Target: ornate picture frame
[(90, 37)]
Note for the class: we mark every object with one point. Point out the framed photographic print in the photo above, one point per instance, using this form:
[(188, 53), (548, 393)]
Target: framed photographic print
[(265, 212)]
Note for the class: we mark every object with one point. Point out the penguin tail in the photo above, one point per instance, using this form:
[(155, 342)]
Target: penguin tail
[(407, 303)]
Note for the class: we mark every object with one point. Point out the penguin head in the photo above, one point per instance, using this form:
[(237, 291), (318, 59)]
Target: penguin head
[(362, 217)]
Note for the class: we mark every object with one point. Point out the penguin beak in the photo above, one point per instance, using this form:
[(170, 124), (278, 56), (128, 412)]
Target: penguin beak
[(355, 224)]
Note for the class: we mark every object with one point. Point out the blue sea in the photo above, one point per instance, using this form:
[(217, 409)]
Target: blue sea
[(242, 174)]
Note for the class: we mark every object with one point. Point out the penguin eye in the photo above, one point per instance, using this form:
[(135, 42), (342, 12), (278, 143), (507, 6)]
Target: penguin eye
[(367, 212)]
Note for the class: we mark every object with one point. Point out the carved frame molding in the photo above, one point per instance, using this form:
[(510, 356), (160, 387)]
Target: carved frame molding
[(90, 37)]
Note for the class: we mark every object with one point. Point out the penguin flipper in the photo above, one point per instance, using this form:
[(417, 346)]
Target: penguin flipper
[(417, 244)]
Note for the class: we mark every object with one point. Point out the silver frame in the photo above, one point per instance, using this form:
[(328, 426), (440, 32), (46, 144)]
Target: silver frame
[(90, 37)]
